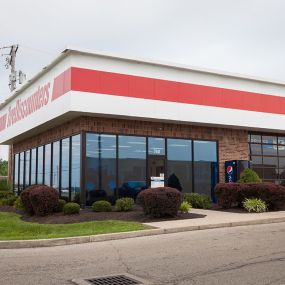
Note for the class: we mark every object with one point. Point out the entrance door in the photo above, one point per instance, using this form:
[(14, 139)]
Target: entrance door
[(156, 170)]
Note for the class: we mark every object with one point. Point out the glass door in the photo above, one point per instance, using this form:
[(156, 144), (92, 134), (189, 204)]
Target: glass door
[(156, 170)]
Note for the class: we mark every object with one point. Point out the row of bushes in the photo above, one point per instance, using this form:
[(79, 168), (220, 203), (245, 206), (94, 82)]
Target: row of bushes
[(122, 205), (234, 194)]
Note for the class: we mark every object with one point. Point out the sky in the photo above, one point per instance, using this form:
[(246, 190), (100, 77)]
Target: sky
[(245, 36)]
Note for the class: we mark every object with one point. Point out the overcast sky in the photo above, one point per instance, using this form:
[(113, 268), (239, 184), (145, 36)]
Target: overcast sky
[(245, 36)]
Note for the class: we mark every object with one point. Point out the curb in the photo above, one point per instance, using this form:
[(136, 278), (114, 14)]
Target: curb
[(15, 244)]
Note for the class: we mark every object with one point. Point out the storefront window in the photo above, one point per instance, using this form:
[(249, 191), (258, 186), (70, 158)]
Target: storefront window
[(156, 146), (64, 191), (75, 168), (132, 165), (179, 164), (55, 166), (205, 167), (40, 172), (27, 168), (47, 164), (21, 171), (33, 166), (16, 173)]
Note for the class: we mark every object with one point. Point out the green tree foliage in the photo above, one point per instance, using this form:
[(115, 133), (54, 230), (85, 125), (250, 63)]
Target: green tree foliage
[(3, 167), (249, 176)]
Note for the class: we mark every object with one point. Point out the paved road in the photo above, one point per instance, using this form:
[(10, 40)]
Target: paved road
[(241, 255)]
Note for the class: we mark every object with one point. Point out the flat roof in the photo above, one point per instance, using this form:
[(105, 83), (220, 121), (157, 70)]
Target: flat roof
[(74, 50)]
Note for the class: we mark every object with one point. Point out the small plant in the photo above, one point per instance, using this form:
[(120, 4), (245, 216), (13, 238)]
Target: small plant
[(185, 207), (125, 204), (199, 201), (71, 208), (8, 201), (254, 205), (18, 204), (61, 204), (249, 176), (102, 206)]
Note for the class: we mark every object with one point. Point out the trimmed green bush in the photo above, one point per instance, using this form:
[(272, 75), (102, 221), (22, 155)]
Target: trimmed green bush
[(6, 194), (227, 194), (185, 207), (8, 201), (71, 208), (18, 204), (254, 205), (61, 204), (5, 186), (160, 201), (199, 201), (125, 204), (102, 206), (249, 176)]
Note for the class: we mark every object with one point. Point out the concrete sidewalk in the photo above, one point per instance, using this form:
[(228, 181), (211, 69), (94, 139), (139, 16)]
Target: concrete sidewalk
[(205, 219), (216, 219)]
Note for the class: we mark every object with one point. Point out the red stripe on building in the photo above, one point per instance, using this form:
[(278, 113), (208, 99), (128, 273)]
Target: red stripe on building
[(93, 81), (61, 84)]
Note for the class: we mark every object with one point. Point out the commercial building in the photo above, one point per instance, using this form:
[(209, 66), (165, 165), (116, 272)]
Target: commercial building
[(99, 126)]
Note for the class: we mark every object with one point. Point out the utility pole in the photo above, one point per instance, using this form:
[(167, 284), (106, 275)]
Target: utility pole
[(11, 63)]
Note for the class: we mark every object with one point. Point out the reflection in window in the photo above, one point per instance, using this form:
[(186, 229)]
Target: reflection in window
[(132, 165), (27, 168), (205, 167), (64, 192), (33, 166), (47, 164), (255, 149), (75, 168), (16, 173), (55, 166), (156, 146), (269, 149), (179, 164), (21, 171), (100, 167), (40, 172)]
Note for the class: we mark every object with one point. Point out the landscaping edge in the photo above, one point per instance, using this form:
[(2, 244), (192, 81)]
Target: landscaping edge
[(14, 244)]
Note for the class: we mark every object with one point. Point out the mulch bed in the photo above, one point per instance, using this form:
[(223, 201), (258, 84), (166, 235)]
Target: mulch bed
[(87, 214)]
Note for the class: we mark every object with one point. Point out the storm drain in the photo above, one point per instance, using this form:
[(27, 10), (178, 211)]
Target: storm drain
[(114, 280)]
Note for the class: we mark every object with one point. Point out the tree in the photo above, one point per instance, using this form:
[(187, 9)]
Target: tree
[(174, 182), (3, 167)]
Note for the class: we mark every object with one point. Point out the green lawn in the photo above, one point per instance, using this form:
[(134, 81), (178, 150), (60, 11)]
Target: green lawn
[(13, 228)]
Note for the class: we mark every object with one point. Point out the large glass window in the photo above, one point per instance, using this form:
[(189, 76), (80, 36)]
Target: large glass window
[(75, 168), (33, 166), (40, 172), (16, 173), (132, 165), (64, 192), (100, 167), (179, 164), (21, 171), (267, 155), (47, 164), (205, 167), (156, 146), (27, 167), (55, 165)]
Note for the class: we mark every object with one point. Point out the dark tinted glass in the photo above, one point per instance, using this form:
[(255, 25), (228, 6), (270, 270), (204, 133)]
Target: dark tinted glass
[(33, 166), (179, 163), (47, 164), (21, 171), (55, 166), (64, 191), (40, 165), (259, 171), (75, 168), (132, 165), (270, 173), (256, 160), (270, 161), (16, 173), (27, 167), (281, 150), (156, 146)]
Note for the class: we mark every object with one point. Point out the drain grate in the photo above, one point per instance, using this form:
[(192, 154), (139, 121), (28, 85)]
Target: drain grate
[(113, 280)]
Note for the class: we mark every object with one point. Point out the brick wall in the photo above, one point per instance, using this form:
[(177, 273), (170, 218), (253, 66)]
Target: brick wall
[(232, 143)]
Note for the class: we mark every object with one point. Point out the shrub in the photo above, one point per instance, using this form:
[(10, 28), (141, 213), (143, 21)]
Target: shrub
[(227, 194), (8, 201), (161, 201), (60, 205), (25, 197), (185, 207), (125, 204), (199, 201), (5, 186), (254, 205), (102, 206), (6, 194), (249, 176), (71, 208), (18, 204)]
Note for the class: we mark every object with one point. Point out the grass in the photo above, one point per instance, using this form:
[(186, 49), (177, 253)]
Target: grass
[(13, 228)]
